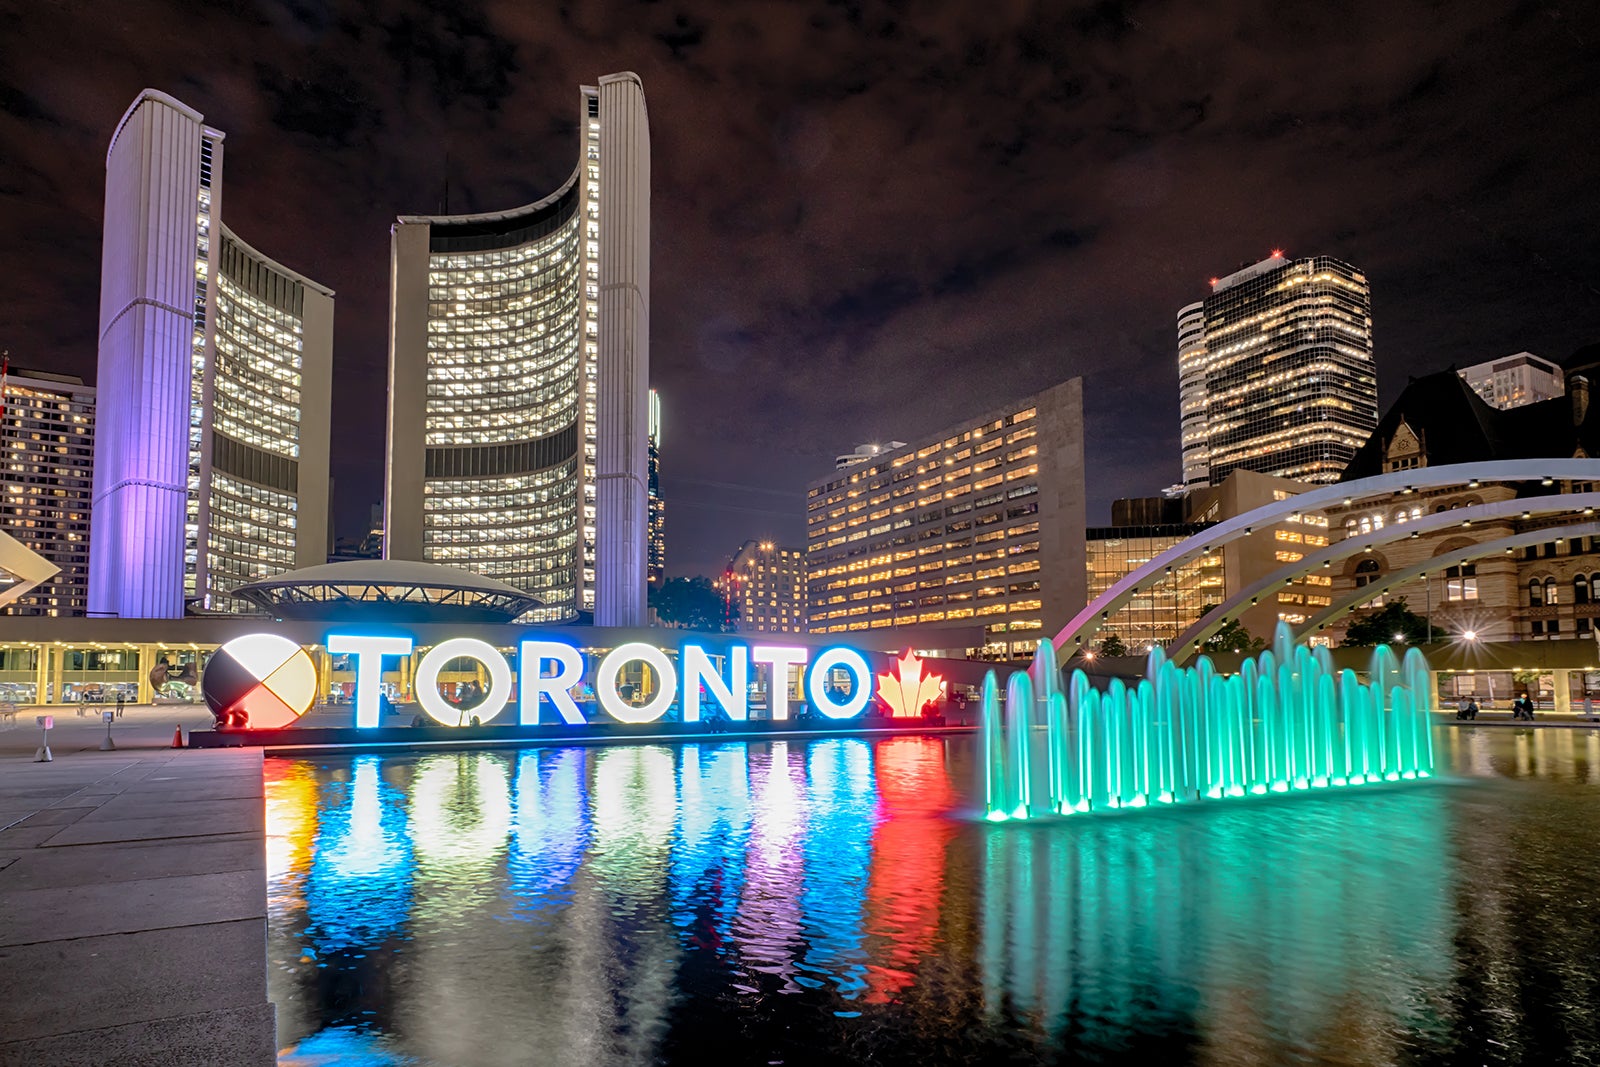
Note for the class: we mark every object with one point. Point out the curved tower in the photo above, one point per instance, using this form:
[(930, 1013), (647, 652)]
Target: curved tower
[(518, 373), (211, 450)]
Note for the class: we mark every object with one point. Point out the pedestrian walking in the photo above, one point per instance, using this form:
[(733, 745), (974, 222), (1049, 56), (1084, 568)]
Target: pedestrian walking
[(120, 698)]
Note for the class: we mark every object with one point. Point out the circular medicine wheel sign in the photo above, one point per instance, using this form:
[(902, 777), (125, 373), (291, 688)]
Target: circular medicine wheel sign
[(261, 681)]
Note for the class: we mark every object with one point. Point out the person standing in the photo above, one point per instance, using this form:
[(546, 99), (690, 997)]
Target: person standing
[(120, 699)]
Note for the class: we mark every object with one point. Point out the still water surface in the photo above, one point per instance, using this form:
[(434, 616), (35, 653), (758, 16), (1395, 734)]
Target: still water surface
[(833, 901)]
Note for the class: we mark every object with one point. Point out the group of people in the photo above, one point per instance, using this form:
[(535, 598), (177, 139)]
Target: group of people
[(1521, 708)]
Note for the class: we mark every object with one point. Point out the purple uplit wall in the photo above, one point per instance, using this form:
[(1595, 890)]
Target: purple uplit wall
[(147, 307)]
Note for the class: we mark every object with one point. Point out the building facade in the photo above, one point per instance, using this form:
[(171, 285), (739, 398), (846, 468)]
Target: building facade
[(1162, 610), (518, 375), (1522, 378), (767, 584), (47, 445), (1540, 592), (982, 522), (657, 555), (1142, 528), (1276, 372), (215, 371)]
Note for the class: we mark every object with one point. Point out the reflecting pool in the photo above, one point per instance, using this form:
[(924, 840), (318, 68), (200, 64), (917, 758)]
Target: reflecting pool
[(841, 900)]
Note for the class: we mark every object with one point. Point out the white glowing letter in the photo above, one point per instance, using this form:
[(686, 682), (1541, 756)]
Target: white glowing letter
[(369, 653), (532, 681), (817, 682), (605, 682), (780, 659), (427, 683), (733, 695)]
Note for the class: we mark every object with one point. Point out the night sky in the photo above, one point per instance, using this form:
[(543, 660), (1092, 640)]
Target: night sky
[(869, 220)]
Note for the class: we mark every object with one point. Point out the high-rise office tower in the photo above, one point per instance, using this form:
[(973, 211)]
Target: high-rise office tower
[(1276, 373), (47, 465), (518, 371), (211, 444), (658, 507)]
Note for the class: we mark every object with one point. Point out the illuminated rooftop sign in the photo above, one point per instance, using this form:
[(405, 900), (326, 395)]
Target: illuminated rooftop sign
[(549, 670)]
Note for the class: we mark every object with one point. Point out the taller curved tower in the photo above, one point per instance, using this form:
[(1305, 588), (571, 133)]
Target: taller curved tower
[(211, 450), (519, 367)]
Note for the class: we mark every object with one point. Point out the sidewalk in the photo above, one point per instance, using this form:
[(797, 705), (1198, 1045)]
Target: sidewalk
[(142, 726), (132, 901)]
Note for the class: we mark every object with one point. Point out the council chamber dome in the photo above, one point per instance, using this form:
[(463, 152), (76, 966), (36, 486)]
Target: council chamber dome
[(387, 590)]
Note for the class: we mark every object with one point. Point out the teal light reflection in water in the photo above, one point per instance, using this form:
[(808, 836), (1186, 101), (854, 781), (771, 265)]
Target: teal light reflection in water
[(1286, 721), (1180, 921)]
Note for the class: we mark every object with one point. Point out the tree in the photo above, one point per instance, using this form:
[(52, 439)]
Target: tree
[(1111, 645), (1233, 637), (1394, 623), (693, 604)]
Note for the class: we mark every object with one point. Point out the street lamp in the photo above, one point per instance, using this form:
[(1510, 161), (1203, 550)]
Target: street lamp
[(1469, 635)]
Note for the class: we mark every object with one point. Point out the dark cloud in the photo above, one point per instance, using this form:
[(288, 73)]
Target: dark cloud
[(869, 218)]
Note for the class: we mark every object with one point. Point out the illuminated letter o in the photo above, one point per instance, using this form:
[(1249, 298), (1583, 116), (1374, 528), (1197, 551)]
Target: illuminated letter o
[(856, 664), (605, 682), (427, 680)]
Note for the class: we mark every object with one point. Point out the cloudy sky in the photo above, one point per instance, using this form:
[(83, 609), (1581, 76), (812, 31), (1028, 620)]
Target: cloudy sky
[(869, 219)]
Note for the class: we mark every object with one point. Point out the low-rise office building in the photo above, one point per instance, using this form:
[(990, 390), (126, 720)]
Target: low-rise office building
[(981, 522)]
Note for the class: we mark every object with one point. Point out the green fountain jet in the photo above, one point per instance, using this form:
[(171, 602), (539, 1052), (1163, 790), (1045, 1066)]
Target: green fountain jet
[(1287, 721)]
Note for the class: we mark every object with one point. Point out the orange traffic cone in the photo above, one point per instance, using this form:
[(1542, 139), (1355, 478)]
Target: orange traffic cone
[(177, 737)]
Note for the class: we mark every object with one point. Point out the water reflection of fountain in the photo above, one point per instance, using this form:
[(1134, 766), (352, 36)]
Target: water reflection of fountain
[(1165, 930), (1286, 721)]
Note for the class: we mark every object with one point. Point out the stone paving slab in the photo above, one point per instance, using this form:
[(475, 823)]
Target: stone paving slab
[(205, 813), (90, 983), (129, 861), (55, 914), (232, 1037), (145, 829)]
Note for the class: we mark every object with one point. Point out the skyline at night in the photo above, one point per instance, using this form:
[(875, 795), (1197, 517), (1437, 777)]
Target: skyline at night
[(864, 227)]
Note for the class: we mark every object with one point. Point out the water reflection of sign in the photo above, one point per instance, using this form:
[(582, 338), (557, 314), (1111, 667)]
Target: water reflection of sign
[(548, 671)]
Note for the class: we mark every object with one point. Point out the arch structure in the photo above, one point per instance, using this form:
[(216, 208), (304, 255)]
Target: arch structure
[(1190, 641), (1466, 554), (1081, 630)]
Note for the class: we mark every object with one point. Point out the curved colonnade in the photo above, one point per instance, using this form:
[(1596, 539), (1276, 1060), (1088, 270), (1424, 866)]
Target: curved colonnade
[(1080, 631)]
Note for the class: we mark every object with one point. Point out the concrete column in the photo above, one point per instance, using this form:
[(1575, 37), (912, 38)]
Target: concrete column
[(54, 682), (622, 411), (1563, 684), (147, 663), (41, 673), (405, 462)]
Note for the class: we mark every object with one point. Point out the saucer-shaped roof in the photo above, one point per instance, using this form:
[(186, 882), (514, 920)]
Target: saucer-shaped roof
[(391, 590)]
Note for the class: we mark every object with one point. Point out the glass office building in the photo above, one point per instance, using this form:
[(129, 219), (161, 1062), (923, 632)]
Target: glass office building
[(518, 364), (1289, 387), (1161, 610), (215, 367)]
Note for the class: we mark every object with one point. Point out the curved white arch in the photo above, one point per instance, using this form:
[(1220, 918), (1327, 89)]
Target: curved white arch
[(1188, 643), (1467, 553), (1084, 625)]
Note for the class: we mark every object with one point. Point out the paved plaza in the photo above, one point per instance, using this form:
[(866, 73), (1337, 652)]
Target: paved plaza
[(132, 899)]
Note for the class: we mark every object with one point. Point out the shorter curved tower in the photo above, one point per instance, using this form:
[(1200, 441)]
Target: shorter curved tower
[(518, 374), (215, 368)]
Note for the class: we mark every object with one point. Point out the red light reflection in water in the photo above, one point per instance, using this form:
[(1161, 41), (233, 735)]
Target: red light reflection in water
[(908, 861)]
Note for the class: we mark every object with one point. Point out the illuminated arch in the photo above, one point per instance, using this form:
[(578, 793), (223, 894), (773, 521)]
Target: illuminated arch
[(1087, 622), (1189, 642), (1340, 608)]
